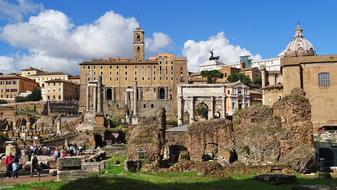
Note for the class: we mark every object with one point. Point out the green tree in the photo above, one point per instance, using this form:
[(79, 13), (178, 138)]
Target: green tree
[(35, 95), (20, 99), (3, 101), (258, 81), (212, 75), (234, 77)]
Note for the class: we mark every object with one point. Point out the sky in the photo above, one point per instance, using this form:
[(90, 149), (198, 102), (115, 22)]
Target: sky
[(57, 35)]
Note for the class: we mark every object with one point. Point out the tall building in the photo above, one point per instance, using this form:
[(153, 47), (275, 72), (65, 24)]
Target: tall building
[(154, 79)]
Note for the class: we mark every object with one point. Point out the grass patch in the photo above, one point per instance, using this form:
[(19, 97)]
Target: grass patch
[(115, 178)]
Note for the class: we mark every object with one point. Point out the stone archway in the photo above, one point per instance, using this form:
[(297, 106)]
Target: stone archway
[(211, 97)]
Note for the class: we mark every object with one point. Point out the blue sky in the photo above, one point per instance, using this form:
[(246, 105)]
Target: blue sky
[(262, 27)]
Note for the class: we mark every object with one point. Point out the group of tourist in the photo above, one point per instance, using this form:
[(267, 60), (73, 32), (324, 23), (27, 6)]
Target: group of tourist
[(70, 150), (12, 163)]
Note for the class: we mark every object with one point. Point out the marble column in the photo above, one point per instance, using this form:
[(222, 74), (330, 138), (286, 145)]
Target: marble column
[(192, 110), (135, 99), (86, 100), (94, 98), (223, 99), (180, 111), (211, 109), (99, 96)]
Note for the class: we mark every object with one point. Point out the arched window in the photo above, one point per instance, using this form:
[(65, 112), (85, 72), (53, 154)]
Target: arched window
[(138, 49), (138, 38), (324, 79), (108, 94)]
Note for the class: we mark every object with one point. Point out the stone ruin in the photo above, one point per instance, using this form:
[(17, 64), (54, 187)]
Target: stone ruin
[(277, 137), (146, 140)]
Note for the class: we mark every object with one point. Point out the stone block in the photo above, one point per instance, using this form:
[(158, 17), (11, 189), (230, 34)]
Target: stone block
[(70, 174), (69, 163), (93, 167)]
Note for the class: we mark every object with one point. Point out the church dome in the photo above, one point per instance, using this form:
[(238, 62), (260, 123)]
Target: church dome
[(299, 46)]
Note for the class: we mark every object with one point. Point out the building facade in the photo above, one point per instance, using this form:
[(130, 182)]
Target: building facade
[(316, 75), (61, 90), (12, 85), (155, 80)]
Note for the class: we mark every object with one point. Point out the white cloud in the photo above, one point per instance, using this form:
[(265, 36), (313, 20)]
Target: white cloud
[(198, 52), (16, 10), (158, 42), (52, 39), (7, 64)]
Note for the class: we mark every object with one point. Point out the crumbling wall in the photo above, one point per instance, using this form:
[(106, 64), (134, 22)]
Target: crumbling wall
[(258, 135), (146, 140), (265, 135), (210, 138)]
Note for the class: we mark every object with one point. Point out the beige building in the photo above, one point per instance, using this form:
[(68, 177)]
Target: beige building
[(12, 85), (316, 75), (155, 80), (30, 71), (61, 90)]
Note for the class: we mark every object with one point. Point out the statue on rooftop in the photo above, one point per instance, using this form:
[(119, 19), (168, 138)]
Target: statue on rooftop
[(212, 57)]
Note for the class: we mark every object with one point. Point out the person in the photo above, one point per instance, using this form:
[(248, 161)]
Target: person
[(8, 163), (63, 154), (56, 154), (34, 166), (15, 166)]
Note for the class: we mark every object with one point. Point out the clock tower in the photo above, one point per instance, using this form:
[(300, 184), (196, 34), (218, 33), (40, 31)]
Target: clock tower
[(138, 45)]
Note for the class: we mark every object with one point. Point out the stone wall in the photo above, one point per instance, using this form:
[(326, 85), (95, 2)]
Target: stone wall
[(209, 138), (146, 140), (258, 135)]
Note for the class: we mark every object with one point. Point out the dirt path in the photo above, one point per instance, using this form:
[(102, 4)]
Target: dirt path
[(26, 179)]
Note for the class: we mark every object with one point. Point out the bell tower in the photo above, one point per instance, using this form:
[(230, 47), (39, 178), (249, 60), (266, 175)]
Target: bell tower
[(138, 45)]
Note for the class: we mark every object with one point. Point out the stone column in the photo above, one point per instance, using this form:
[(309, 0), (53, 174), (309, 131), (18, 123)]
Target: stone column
[(135, 99), (180, 110), (86, 100), (192, 110), (223, 99), (14, 126), (126, 97), (211, 109), (58, 124), (243, 98), (28, 125), (263, 75), (99, 95), (94, 99)]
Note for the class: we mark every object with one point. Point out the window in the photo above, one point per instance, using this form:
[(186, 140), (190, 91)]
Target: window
[(144, 105), (152, 105), (324, 79), (110, 66)]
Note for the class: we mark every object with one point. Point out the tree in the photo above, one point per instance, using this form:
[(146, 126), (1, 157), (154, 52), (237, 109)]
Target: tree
[(3, 101), (34, 96), (258, 81), (234, 77), (212, 75)]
